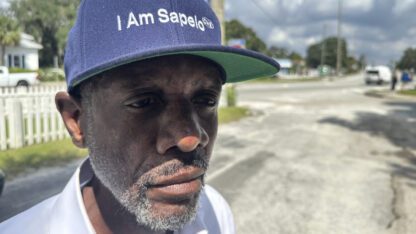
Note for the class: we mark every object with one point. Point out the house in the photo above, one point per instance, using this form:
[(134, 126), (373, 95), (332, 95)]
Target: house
[(285, 66), (25, 55)]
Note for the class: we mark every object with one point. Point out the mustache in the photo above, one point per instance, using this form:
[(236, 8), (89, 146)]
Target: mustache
[(179, 160)]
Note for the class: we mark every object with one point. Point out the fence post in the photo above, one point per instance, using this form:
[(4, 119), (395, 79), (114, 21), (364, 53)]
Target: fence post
[(17, 125), (30, 110), (3, 136)]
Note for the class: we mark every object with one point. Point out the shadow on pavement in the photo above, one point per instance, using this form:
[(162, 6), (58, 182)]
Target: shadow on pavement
[(397, 126)]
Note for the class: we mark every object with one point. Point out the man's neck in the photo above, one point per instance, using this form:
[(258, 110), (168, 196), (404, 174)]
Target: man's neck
[(107, 215)]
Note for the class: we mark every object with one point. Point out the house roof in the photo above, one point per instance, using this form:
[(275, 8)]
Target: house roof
[(28, 41), (284, 63)]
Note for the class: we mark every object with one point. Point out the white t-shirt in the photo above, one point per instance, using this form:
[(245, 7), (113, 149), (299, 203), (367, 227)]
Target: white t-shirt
[(65, 213)]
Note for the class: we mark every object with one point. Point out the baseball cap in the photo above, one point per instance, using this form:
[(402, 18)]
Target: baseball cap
[(109, 33)]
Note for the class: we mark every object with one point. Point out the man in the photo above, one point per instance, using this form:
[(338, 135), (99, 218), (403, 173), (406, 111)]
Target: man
[(144, 79)]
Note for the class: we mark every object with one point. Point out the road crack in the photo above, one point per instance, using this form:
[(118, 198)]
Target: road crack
[(395, 203)]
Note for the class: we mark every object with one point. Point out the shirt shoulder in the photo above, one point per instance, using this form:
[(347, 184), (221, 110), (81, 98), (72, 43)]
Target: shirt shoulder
[(212, 200), (34, 220)]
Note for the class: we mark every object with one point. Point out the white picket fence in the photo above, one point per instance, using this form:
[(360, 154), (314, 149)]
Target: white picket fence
[(29, 116)]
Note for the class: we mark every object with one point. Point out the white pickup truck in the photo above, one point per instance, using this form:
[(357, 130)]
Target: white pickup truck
[(17, 79)]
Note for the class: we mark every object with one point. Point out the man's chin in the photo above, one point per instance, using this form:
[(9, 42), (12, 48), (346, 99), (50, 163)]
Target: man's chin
[(176, 208), (168, 215)]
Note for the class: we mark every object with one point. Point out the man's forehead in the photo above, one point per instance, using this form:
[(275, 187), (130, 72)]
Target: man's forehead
[(161, 70)]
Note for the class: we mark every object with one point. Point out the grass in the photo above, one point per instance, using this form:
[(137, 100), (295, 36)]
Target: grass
[(410, 92), (229, 114), (279, 80), (17, 161), (13, 162)]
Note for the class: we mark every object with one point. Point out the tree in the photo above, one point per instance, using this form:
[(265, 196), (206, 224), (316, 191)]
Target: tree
[(313, 57), (277, 52), (235, 29), (295, 57), (49, 22), (362, 62), (9, 34), (408, 59)]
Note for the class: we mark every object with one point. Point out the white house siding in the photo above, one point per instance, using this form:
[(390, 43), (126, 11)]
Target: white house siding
[(25, 55), (22, 57)]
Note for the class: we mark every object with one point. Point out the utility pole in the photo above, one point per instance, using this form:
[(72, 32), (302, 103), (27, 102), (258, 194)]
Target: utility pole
[(339, 48), (218, 7)]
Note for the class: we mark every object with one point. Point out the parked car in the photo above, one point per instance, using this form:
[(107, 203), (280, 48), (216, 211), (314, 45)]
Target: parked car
[(2, 180), (378, 75), (17, 79)]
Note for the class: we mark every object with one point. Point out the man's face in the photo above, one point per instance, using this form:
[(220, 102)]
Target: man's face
[(135, 118)]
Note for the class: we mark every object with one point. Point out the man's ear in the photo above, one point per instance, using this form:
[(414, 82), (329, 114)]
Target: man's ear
[(70, 111)]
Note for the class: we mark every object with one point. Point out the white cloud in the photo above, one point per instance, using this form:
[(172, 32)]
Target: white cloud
[(378, 29), (277, 36), (358, 5), (291, 5), (403, 6)]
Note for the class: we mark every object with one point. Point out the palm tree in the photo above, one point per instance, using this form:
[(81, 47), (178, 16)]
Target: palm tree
[(9, 35)]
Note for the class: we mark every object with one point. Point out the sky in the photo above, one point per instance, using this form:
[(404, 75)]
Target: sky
[(379, 29)]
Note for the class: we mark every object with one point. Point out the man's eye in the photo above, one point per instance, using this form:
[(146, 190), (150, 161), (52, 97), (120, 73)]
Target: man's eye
[(205, 101), (143, 103)]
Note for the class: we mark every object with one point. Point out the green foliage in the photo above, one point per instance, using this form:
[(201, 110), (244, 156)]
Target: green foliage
[(408, 59), (51, 75), (48, 21), (284, 81), (313, 57), (231, 95), (362, 61), (410, 92), (229, 114), (9, 34), (235, 29), (19, 70), (277, 52), (17, 161)]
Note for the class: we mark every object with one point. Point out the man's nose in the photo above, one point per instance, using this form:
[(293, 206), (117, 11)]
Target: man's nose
[(188, 143), (180, 127)]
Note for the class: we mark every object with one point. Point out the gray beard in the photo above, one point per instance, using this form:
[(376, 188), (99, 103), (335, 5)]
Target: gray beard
[(109, 169)]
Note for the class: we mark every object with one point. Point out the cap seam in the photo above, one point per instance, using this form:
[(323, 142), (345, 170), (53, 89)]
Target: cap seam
[(179, 39), (82, 42)]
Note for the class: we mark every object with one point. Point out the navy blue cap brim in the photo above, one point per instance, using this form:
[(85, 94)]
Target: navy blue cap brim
[(238, 64)]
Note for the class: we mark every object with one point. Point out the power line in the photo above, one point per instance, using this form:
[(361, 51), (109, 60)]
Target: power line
[(271, 18)]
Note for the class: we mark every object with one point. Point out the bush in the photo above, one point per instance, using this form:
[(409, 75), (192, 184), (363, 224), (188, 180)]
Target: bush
[(230, 114), (20, 70), (231, 96), (51, 75)]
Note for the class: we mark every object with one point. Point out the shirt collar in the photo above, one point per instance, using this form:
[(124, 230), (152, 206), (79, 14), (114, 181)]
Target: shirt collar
[(70, 215)]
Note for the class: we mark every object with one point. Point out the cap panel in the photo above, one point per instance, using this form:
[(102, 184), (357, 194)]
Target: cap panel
[(111, 33), (74, 52), (198, 28)]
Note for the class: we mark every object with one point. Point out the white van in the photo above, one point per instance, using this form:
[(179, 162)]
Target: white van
[(378, 75)]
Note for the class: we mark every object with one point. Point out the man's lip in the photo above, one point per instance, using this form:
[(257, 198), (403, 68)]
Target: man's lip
[(177, 188), (182, 176)]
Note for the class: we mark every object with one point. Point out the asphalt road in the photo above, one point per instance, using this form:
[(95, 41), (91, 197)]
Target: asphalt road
[(319, 158), (316, 157)]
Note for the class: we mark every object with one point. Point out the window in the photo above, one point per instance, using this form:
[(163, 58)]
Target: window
[(9, 60), (16, 61)]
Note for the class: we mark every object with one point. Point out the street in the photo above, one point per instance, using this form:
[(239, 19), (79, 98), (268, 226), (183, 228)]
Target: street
[(319, 158), (315, 157)]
